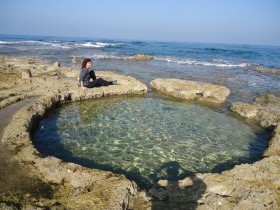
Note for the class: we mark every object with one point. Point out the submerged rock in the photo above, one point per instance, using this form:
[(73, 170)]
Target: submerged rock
[(74, 60), (190, 90), (142, 57), (265, 70)]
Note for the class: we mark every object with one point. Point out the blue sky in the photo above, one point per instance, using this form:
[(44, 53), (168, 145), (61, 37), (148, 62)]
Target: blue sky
[(215, 21)]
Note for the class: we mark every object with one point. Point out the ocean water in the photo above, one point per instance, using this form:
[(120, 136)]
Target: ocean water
[(221, 64), (144, 137)]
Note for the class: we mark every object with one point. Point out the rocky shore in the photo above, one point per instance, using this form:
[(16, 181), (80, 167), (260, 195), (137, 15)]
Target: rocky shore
[(247, 186), (32, 181), (37, 182)]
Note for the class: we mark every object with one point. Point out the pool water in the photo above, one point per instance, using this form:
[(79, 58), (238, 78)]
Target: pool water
[(147, 138)]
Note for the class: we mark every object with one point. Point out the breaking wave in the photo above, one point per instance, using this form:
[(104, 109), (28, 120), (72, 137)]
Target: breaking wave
[(98, 44), (214, 62), (65, 45)]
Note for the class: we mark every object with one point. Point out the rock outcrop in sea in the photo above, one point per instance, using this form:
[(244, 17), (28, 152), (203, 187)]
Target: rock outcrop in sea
[(142, 57)]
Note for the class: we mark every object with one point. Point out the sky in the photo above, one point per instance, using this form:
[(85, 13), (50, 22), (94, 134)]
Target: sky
[(210, 21)]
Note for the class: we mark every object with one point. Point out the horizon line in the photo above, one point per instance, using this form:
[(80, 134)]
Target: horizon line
[(133, 39)]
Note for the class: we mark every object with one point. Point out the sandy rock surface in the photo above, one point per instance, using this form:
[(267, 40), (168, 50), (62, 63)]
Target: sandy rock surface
[(190, 90), (37, 182)]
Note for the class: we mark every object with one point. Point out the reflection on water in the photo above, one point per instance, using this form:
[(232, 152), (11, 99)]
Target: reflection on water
[(136, 135)]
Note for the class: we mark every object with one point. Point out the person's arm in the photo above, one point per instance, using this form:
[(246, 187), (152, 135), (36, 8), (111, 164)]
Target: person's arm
[(83, 74), (82, 86)]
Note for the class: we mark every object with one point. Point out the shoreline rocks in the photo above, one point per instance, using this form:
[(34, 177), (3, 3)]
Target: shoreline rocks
[(49, 183), (70, 185), (266, 112), (54, 184), (246, 186), (190, 90)]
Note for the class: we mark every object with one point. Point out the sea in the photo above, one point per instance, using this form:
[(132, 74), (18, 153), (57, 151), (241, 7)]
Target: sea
[(145, 137), (223, 64)]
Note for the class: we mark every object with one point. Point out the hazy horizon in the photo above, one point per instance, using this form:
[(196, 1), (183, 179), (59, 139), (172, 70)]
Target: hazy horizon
[(250, 22)]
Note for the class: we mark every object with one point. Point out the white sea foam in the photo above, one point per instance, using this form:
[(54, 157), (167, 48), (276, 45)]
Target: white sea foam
[(22, 42), (215, 62), (99, 44), (60, 45), (104, 55), (105, 44), (88, 44)]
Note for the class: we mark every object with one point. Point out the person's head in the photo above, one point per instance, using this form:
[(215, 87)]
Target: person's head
[(86, 63)]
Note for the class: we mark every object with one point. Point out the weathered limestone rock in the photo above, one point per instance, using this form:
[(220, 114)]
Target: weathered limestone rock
[(11, 100), (265, 110), (45, 81), (141, 57), (38, 182), (58, 185), (190, 90), (245, 110), (244, 187), (26, 74), (56, 64), (274, 144), (70, 185)]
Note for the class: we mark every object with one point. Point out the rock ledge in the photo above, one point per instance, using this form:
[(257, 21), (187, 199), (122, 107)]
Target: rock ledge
[(190, 90)]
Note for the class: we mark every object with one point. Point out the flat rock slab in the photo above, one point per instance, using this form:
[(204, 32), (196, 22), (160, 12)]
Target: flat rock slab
[(190, 90)]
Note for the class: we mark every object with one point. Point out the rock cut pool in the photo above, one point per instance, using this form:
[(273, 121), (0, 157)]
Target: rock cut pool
[(148, 138)]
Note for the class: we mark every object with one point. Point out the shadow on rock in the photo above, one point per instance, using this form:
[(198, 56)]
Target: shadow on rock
[(177, 188)]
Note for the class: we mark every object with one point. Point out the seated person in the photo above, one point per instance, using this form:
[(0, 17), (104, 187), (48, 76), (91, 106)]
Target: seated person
[(87, 78)]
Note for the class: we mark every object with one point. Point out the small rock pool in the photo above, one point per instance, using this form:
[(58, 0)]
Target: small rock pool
[(149, 138)]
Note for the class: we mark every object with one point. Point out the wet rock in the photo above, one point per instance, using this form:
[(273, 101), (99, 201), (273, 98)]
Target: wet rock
[(265, 70), (190, 90)]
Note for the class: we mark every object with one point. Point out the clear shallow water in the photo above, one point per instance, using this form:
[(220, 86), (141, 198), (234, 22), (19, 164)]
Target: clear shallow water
[(145, 137)]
